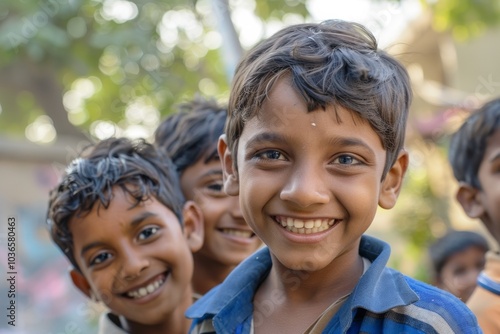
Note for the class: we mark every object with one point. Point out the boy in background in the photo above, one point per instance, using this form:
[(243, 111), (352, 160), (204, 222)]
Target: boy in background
[(475, 158), (119, 217), (189, 137), (313, 145), (457, 258)]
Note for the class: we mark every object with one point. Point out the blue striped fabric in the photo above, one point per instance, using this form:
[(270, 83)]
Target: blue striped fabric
[(488, 284), (384, 301)]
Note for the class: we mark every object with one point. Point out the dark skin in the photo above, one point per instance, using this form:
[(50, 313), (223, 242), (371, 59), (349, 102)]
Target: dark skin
[(310, 203), (314, 290), (137, 261)]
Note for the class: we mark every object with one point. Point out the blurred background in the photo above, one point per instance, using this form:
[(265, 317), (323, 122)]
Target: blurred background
[(77, 71)]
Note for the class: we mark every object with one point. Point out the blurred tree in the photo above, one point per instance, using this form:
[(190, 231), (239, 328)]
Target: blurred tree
[(464, 18), (117, 66), (98, 67), (94, 68)]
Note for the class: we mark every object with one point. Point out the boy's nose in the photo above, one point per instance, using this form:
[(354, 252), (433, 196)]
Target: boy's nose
[(133, 265), (306, 187)]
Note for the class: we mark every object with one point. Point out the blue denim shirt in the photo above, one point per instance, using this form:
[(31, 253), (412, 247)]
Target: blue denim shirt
[(383, 301)]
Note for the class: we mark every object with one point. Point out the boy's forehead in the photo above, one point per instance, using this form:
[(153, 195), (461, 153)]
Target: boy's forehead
[(284, 104), (276, 115)]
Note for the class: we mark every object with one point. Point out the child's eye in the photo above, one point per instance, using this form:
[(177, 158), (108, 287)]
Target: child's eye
[(460, 271), (215, 186), (148, 232), (100, 258), (270, 155), (346, 160)]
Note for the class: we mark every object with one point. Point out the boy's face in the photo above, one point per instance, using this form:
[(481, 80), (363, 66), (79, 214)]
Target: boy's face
[(228, 238), (489, 178), (459, 273), (137, 260), (309, 183)]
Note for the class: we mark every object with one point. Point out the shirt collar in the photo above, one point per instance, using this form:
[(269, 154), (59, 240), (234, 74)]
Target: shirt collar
[(232, 304)]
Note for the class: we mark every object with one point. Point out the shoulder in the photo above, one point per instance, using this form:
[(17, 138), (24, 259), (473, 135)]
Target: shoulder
[(486, 307), (439, 309), (406, 305), (238, 287)]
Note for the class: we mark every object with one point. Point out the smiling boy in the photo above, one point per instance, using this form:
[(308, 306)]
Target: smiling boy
[(475, 158), (119, 216), (189, 137), (313, 145)]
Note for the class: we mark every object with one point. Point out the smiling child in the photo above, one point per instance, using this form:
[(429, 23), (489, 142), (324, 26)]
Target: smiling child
[(120, 218), (313, 145), (189, 137)]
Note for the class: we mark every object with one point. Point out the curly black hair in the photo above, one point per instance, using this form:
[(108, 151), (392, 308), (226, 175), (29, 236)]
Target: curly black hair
[(134, 166)]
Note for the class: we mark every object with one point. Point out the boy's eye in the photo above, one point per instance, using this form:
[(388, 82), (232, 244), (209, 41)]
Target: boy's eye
[(100, 258), (460, 271), (346, 160), (148, 232), (215, 186), (271, 155)]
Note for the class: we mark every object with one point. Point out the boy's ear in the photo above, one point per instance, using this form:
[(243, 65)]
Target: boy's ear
[(230, 175), (81, 282), (193, 225), (467, 196), (393, 181)]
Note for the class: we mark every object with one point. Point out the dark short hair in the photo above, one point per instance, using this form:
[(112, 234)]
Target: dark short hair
[(329, 63), (134, 166), (468, 143), (192, 133), (452, 243)]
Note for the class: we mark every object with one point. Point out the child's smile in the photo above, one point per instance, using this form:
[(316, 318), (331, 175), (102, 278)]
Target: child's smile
[(306, 226), (135, 258), (309, 182), (147, 289), (228, 238)]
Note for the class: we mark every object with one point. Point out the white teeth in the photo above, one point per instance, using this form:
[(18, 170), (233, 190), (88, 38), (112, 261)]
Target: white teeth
[(237, 233), (298, 224), (145, 290), (305, 226)]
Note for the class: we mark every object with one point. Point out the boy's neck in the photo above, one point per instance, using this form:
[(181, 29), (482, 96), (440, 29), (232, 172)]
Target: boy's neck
[(208, 273), (297, 299), (327, 283)]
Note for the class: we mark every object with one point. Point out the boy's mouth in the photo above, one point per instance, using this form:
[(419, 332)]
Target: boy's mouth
[(305, 226), (146, 289), (237, 233)]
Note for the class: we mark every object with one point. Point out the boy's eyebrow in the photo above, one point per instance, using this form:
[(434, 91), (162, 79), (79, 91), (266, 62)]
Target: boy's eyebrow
[(274, 137), (140, 217), (213, 172), (136, 221), (88, 247), (349, 142), (265, 137)]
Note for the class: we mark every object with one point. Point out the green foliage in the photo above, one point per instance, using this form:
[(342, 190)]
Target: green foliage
[(105, 64), (275, 8), (465, 18)]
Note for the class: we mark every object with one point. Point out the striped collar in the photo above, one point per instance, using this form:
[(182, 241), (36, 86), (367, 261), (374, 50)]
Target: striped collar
[(487, 283)]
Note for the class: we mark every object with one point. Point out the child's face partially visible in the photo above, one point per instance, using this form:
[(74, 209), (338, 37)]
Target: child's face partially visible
[(489, 178), (228, 239), (135, 260), (310, 184), (459, 273)]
